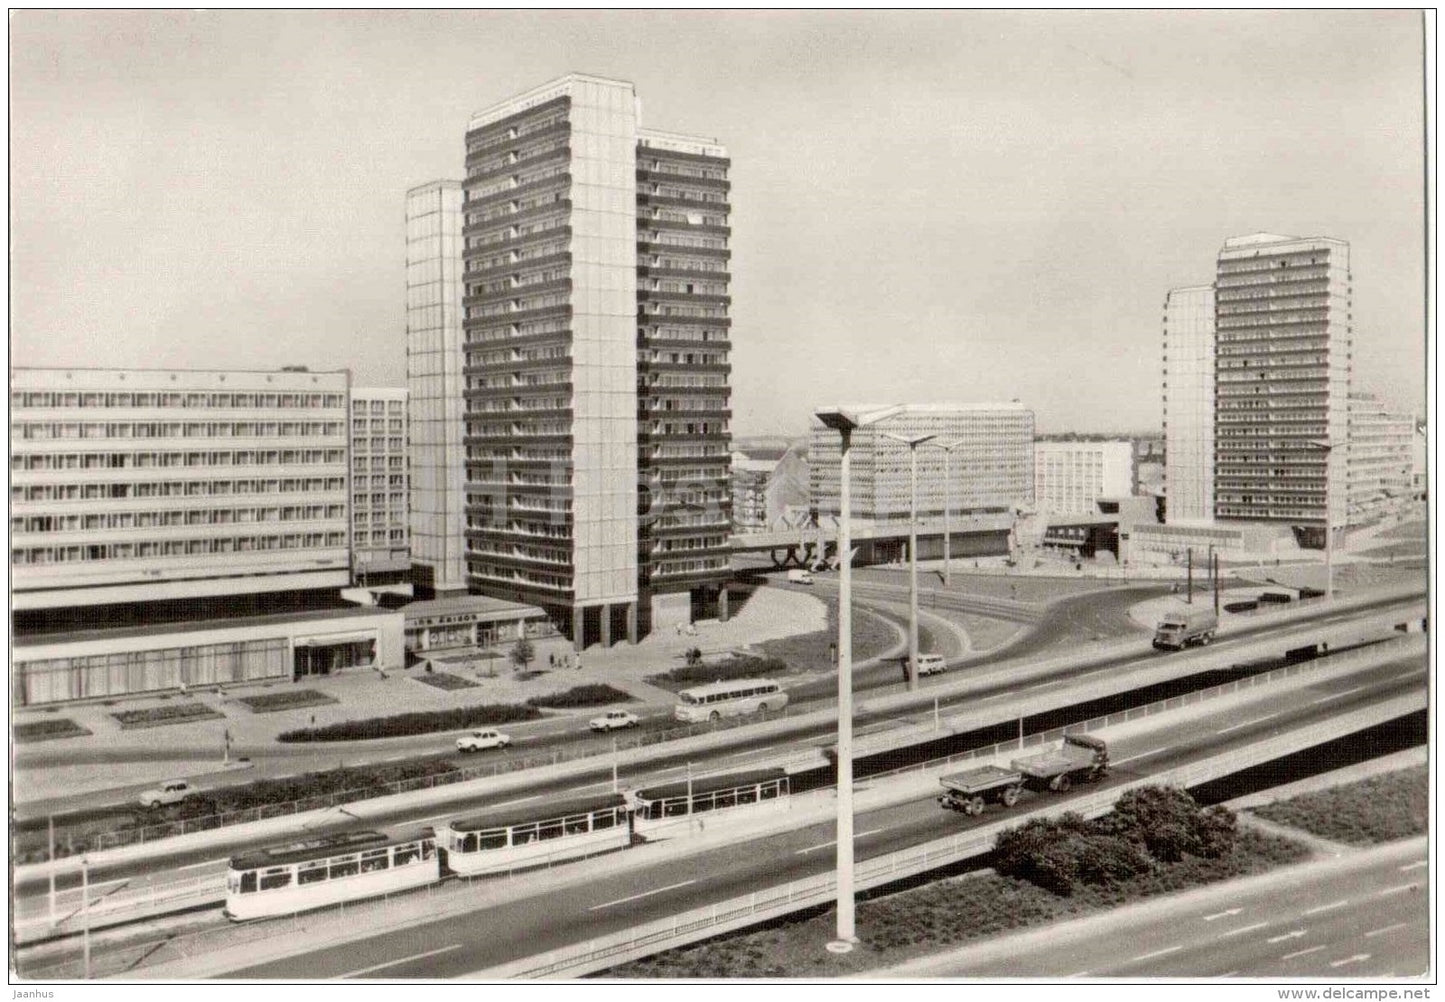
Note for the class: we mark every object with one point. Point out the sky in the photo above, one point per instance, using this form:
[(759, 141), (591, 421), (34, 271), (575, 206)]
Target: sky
[(926, 206)]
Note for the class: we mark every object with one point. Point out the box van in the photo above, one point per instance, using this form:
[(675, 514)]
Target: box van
[(931, 664), (800, 577)]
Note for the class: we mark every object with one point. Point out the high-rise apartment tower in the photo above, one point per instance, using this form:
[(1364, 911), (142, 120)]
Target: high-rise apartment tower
[(1283, 331), (1189, 405), (595, 374)]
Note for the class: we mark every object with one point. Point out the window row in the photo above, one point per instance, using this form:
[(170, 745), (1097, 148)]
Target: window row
[(47, 430), (196, 516), (144, 460), (268, 401), (194, 488), (43, 555)]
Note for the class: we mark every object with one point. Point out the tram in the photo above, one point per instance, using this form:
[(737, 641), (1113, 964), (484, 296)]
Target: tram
[(300, 876), (522, 836), (665, 811)]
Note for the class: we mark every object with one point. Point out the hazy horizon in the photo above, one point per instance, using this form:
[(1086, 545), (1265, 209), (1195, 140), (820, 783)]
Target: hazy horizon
[(926, 205)]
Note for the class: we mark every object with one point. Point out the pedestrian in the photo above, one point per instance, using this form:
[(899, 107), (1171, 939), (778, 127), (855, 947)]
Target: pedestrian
[(552, 660)]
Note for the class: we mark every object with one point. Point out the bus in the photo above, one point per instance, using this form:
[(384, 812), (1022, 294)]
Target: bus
[(729, 699), (666, 810), (283, 880), (514, 837)]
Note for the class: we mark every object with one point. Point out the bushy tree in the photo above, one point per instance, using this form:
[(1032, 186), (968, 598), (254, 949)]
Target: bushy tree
[(523, 654)]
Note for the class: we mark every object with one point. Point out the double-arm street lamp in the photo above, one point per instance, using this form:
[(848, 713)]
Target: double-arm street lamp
[(913, 444), (846, 422)]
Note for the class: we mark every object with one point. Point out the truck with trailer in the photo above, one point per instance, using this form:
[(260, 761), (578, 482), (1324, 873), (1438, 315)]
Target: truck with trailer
[(969, 791), (1184, 628), (1080, 756)]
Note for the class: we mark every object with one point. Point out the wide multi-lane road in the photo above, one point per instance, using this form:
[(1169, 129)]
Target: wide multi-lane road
[(609, 901), (1364, 915)]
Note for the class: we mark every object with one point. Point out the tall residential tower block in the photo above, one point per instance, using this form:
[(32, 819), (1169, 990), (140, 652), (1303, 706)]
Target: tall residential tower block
[(592, 401), (1283, 342)]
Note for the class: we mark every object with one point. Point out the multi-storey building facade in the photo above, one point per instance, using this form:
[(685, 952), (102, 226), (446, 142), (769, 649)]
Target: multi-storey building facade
[(1379, 458), (1283, 343), (435, 405), (596, 360), (991, 465), (1189, 405), (145, 485), (380, 492), (1071, 477), (174, 528)]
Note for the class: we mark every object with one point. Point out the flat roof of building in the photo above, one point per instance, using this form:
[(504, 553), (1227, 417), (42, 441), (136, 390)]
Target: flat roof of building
[(456, 605), (197, 626)]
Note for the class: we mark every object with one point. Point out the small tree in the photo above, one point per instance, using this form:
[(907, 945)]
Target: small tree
[(523, 653)]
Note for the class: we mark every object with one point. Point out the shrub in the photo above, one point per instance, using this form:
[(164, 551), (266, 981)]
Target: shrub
[(458, 719), (48, 730), (158, 716), (443, 680), (596, 694), (723, 671)]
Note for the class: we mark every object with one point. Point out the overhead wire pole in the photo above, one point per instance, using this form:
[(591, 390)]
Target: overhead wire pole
[(844, 423), (1329, 447), (948, 448)]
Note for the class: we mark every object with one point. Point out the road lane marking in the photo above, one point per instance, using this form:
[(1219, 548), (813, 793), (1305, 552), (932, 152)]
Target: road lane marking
[(1227, 974), (824, 845), (509, 803), (1244, 928), (1384, 929), (1324, 908), (1301, 953), (1400, 889), (1294, 934), (209, 862), (1157, 953), (1415, 865), (1079, 974), (1247, 723), (644, 894), (1220, 915), (1337, 695), (1146, 754), (1356, 959), (435, 817), (753, 751), (393, 963)]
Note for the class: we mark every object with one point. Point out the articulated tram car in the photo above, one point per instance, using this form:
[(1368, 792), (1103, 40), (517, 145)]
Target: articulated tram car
[(509, 838), (327, 870), (660, 809), (324, 871)]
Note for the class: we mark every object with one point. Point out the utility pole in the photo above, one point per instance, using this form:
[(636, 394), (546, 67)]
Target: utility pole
[(1189, 577)]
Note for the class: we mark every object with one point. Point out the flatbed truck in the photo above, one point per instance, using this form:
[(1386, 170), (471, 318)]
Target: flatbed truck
[(969, 791), (1080, 756)]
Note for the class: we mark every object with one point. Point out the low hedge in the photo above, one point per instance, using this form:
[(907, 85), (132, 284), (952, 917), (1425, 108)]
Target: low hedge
[(425, 722), (722, 671), (596, 694)]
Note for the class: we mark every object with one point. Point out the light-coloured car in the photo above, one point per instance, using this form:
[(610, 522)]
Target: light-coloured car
[(172, 791), (483, 739), (613, 720), (931, 664)]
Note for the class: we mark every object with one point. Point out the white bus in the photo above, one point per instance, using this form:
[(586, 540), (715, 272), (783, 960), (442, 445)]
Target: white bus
[(729, 699)]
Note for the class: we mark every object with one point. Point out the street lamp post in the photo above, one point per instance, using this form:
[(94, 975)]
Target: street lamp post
[(948, 448), (913, 444), (845, 422), (1328, 448), (85, 911)]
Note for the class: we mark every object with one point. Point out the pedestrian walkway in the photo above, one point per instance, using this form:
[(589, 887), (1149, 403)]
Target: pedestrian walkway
[(111, 757)]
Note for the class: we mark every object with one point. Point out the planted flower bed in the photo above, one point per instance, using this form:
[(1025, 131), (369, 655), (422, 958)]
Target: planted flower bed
[(274, 702), (441, 680), (48, 730), (163, 716)]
